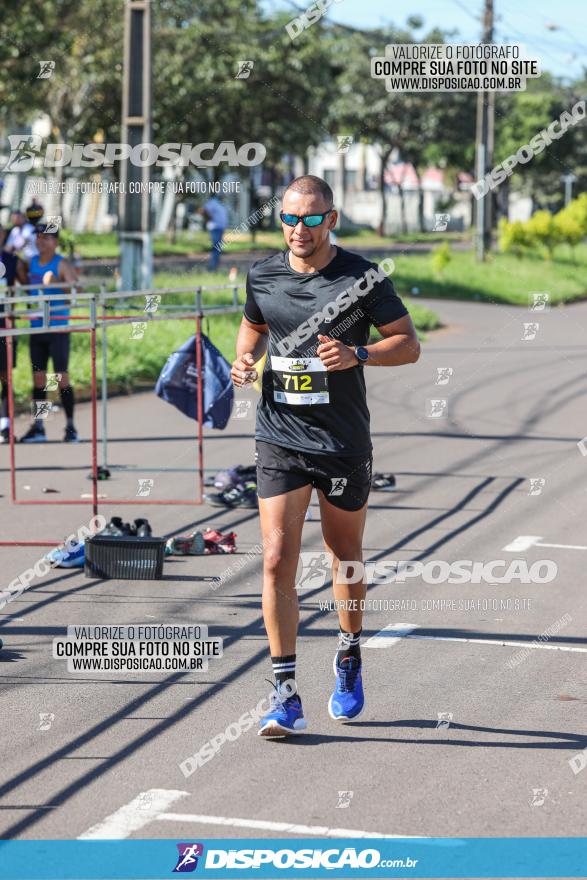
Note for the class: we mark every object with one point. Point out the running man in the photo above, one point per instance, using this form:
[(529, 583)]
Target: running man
[(311, 307), (49, 268)]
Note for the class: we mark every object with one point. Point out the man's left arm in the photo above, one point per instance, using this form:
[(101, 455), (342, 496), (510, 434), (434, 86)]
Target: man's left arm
[(400, 345)]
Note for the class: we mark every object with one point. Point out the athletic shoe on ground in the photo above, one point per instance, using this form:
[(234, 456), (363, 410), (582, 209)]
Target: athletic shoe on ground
[(142, 528), (242, 495), (249, 497), (192, 545), (4, 436), (116, 528), (383, 482), (348, 700), (35, 434), (70, 436), (62, 558), (285, 717), (229, 498), (216, 542)]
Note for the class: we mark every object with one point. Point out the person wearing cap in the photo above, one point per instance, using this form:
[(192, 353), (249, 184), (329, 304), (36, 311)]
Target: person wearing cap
[(49, 267), (34, 212)]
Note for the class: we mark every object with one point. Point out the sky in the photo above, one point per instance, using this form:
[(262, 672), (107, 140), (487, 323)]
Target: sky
[(563, 52)]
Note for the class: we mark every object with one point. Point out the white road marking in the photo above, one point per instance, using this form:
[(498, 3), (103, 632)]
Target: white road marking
[(134, 815), (382, 640), (525, 542), (262, 825)]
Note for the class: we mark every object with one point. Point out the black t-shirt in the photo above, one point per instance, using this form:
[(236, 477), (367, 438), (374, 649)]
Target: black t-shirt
[(303, 406)]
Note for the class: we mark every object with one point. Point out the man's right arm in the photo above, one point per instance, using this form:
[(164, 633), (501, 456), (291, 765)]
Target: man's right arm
[(251, 345)]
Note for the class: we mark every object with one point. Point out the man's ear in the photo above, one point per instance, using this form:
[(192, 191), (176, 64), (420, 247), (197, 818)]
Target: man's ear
[(333, 219)]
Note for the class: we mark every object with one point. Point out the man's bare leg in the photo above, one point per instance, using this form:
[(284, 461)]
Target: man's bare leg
[(342, 531), (282, 519)]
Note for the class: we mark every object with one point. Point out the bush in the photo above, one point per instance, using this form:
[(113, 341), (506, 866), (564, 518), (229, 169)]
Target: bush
[(542, 230), (572, 221), (513, 237), (546, 230), (441, 257)]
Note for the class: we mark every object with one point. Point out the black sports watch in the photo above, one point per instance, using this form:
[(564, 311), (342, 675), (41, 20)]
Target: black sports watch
[(361, 354)]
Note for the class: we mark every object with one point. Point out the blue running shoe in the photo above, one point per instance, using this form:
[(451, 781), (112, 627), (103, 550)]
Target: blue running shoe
[(63, 558), (348, 700), (285, 717)]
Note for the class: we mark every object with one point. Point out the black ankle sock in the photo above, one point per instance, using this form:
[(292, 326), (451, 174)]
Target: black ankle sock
[(348, 645), (67, 399), (284, 669)]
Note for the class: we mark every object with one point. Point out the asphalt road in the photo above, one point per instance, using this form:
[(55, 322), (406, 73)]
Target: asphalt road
[(107, 762)]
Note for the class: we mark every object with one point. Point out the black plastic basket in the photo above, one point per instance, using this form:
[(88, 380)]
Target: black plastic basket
[(139, 559)]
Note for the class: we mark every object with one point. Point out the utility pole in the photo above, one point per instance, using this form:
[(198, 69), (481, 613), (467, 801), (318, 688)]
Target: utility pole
[(136, 249), (484, 141)]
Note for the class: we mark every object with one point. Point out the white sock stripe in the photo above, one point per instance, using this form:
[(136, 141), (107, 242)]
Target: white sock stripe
[(348, 639), (283, 667)]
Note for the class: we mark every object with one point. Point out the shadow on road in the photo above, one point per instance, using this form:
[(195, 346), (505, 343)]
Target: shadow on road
[(572, 741), (140, 702)]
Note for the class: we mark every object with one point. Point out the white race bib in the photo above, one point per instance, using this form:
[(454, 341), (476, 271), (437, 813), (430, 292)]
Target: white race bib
[(299, 381)]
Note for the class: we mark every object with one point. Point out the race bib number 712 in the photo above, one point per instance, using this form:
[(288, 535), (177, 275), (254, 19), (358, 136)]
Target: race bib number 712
[(299, 381)]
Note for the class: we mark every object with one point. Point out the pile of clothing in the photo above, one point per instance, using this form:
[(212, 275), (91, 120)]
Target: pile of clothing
[(208, 543), (238, 488)]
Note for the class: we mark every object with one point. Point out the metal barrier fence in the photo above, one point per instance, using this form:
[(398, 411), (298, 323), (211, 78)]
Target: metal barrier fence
[(99, 305)]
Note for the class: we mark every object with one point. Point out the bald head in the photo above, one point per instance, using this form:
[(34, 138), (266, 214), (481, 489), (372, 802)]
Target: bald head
[(309, 185)]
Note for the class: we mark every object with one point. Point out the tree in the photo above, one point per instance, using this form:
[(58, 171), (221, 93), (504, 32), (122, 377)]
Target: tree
[(520, 116), (422, 126)]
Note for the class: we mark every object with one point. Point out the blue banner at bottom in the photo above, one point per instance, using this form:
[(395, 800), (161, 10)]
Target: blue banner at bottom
[(530, 857)]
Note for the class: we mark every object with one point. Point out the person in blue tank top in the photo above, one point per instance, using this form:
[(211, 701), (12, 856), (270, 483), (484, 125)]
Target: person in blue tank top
[(49, 267)]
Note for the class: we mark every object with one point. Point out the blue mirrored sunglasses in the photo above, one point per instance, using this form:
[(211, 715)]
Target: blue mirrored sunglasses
[(307, 219)]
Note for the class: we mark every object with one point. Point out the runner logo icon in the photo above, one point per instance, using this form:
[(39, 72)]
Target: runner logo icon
[(187, 860), (316, 567), (338, 485)]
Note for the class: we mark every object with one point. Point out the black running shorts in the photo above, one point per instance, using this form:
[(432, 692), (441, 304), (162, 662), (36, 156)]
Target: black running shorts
[(49, 345), (344, 480)]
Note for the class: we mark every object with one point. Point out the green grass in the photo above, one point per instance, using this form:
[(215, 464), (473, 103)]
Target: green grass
[(503, 278), (136, 363), (187, 244), (91, 245)]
